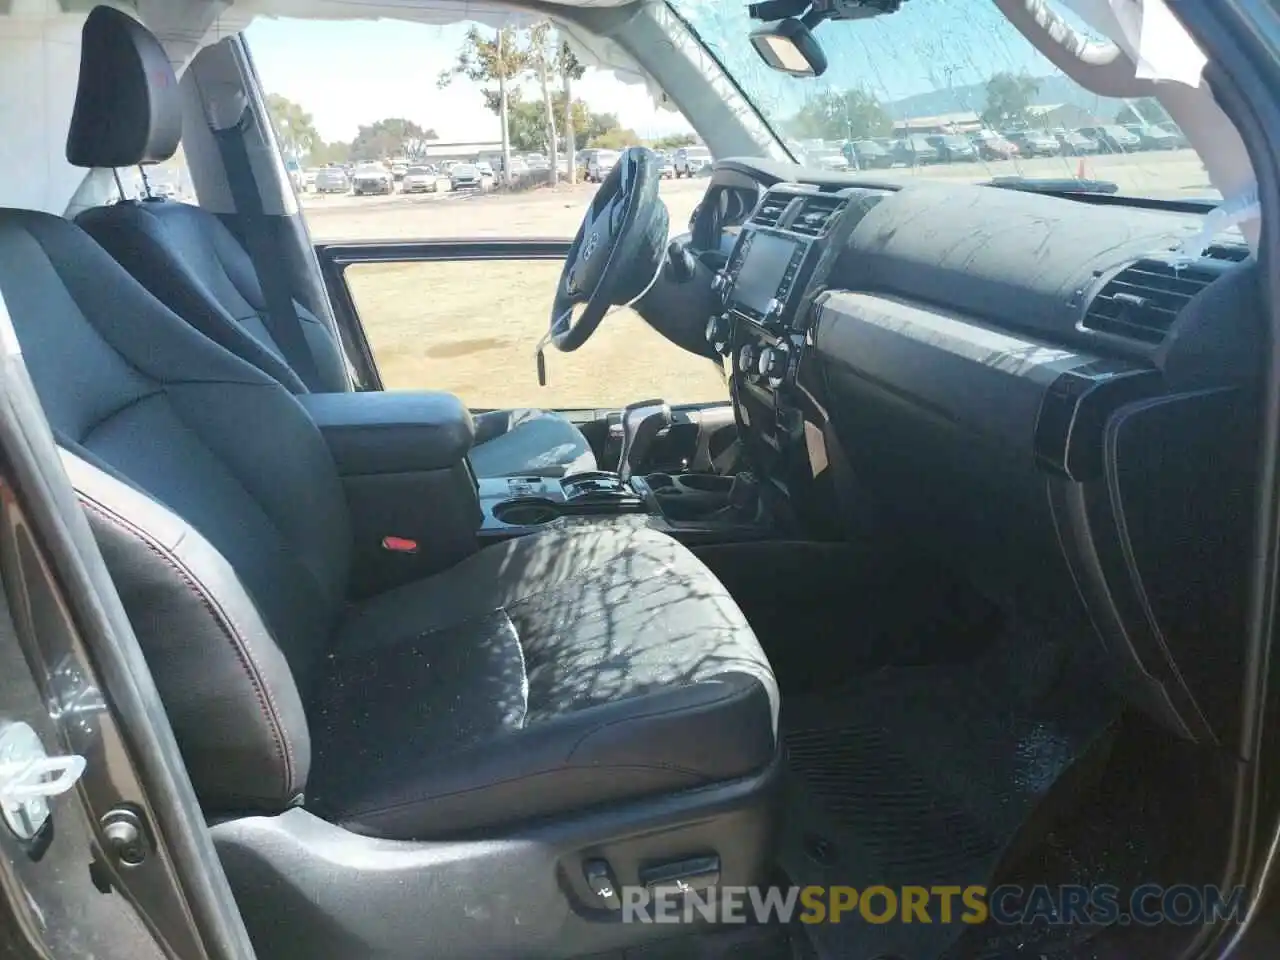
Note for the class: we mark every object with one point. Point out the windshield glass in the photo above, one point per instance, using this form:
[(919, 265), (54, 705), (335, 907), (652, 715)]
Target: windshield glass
[(952, 68)]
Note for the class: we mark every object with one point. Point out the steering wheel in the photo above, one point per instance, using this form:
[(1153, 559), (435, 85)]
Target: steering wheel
[(617, 251)]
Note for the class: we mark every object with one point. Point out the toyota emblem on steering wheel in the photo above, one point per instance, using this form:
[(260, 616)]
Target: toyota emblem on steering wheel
[(591, 246)]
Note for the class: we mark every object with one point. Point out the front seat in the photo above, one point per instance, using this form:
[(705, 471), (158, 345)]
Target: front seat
[(195, 265), (599, 677)]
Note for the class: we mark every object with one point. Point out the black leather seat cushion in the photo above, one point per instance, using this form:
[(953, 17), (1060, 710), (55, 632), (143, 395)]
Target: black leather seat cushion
[(548, 674)]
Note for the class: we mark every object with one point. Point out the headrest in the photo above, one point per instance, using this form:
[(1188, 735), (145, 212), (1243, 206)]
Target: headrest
[(127, 109)]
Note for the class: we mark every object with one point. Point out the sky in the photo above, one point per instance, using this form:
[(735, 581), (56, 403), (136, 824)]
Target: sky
[(354, 72), (351, 72)]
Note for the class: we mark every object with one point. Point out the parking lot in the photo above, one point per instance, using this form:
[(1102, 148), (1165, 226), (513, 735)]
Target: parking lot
[(472, 327), (556, 213)]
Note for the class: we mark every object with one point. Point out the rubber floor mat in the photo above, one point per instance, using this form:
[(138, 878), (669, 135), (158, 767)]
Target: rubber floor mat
[(924, 776)]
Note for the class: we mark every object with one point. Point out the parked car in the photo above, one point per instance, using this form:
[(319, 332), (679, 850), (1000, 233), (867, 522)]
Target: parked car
[(372, 178), (484, 168), (165, 190), (398, 170), (518, 166), (827, 159), (690, 161), (600, 164), (1035, 143), (418, 180), (1172, 128), (309, 178), (467, 176), (1152, 137), (953, 148), (666, 166), (993, 146), (914, 150), (332, 180), (869, 154), (536, 161), (1076, 144), (1113, 138)]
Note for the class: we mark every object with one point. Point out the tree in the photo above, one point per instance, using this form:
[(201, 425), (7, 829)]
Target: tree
[(526, 124), (392, 137), (1144, 111), (675, 141), (832, 115), (541, 55), (323, 154), (598, 124), (500, 61), (1008, 96), (295, 128), (616, 139), (569, 68)]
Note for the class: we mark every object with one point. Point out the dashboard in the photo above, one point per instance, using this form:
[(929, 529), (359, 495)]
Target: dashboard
[(1039, 391)]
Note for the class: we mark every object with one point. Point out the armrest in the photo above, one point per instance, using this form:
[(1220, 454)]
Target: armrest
[(398, 432)]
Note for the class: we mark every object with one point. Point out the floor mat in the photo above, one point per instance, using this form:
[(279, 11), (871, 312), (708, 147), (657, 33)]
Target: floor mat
[(924, 776)]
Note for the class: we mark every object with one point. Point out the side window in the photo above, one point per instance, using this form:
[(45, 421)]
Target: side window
[(411, 148)]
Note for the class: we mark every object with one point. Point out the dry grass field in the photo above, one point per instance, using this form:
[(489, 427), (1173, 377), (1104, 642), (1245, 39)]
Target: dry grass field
[(471, 327)]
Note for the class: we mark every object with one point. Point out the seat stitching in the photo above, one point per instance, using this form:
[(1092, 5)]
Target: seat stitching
[(262, 690)]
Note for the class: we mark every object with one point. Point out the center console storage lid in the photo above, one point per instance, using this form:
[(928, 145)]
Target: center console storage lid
[(398, 432)]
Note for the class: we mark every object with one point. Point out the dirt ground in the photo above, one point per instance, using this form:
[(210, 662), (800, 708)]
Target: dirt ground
[(472, 327)]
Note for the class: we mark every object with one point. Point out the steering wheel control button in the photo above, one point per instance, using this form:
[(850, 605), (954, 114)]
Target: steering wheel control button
[(600, 879)]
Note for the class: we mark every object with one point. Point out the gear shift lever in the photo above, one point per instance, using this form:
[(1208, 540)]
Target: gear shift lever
[(641, 422)]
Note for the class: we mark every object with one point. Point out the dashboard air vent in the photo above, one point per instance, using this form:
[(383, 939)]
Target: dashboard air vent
[(771, 209), (1142, 300), (816, 215)]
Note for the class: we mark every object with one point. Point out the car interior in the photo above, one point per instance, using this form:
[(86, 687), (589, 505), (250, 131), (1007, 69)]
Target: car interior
[(948, 592)]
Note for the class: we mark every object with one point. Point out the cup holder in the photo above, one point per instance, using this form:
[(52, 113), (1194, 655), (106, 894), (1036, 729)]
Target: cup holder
[(529, 512)]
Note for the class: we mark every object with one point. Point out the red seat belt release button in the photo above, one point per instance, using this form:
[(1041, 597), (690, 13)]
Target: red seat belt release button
[(399, 545)]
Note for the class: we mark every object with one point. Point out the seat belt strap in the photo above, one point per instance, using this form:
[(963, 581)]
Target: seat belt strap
[(281, 312)]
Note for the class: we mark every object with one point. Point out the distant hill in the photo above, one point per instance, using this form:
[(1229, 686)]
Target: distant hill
[(1054, 89)]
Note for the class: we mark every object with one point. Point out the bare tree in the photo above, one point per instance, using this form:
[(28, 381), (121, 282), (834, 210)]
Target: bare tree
[(541, 56), (498, 60), (570, 69)]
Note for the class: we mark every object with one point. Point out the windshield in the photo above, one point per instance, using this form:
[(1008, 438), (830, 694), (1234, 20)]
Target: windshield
[(952, 68)]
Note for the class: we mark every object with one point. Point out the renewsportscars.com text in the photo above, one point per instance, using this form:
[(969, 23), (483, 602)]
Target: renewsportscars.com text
[(1146, 905)]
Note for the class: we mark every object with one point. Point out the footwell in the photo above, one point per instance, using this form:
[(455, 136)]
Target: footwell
[(929, 776)]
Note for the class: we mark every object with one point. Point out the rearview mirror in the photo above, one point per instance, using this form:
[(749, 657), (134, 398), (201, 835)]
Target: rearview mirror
[(788, 47)]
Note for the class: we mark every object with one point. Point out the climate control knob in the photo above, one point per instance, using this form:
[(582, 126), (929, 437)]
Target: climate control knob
[(747, 360), (718, 330), (772, 363)]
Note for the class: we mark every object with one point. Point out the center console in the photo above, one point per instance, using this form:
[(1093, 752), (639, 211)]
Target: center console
[(782, 257)]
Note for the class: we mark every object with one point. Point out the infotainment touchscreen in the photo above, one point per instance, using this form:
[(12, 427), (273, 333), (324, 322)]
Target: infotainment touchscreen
[(757, 281)]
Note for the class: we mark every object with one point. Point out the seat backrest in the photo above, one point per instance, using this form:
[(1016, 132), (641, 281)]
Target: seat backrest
[(185, 256), (213, 496)]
